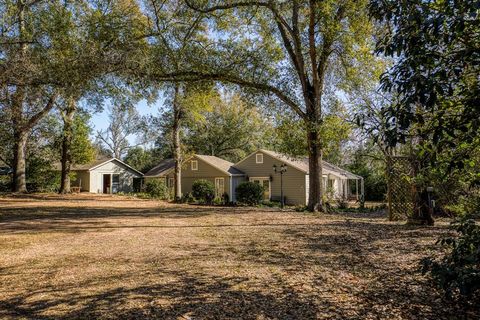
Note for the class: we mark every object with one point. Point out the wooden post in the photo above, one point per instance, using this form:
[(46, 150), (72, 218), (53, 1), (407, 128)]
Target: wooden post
[(356, 188)]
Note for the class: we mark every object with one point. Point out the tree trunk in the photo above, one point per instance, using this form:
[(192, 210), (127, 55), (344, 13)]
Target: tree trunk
[(315, 198), (422, 211), (177, 146), (67, 116), (19, 178)]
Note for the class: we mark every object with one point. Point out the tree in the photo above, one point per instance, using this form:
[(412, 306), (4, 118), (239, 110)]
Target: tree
[(124, 124), (435, 76), (51, 49), (175, 36), (296, 51), (81, 148), (230, 129), (335, 131), (142, 159)]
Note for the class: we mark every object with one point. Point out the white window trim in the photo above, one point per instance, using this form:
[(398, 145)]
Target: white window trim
[(171, 182), (194, 167), (269, 184), (257, 157)]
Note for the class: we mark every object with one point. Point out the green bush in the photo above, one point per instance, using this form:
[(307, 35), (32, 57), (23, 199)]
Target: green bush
[(249, 193), (187, 198), (157, 189), (458, 272), (5, 183), (40, 175), (225, 198), (203, 190)]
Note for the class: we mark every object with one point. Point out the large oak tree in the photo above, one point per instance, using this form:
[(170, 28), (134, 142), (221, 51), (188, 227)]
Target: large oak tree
[(298, 52)]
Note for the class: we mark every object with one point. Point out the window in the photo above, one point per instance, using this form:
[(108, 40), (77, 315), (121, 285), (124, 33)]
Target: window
[(194, 165), (171, 182), (265, 183), (115, 183), (219, 187), (259, 158)]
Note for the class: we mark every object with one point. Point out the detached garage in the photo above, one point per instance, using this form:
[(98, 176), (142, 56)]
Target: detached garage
[(106, 176)]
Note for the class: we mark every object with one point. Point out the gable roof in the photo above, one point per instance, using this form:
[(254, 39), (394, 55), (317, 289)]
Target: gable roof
[(302, 164), (97, 163), (163, 168), (221, 164)]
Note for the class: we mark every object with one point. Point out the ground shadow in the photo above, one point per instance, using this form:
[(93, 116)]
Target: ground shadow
[(191, 297)]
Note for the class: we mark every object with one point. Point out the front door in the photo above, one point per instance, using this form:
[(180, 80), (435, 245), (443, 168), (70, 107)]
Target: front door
[(265, 183), (107, 183)]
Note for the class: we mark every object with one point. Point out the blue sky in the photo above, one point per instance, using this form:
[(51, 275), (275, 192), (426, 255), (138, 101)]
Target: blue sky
[(99, 121)]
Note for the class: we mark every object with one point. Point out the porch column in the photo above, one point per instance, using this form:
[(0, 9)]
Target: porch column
[(362, 189), (356, 187)]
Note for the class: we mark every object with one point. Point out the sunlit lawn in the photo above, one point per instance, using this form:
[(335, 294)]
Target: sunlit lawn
[(115, 257)]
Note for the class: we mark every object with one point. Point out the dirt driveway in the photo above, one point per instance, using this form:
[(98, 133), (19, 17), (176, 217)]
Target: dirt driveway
[(106, 257)]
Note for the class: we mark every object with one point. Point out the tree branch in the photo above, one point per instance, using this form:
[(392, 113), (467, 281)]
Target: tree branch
[(193, 76), (39, 115), (227, 6)]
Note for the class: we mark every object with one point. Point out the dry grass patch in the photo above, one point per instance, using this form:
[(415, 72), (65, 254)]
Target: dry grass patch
[(107, 257)]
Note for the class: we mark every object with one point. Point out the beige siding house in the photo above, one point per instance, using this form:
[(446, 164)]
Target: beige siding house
[(164, 171), (258, 167), (105, 176), (216, 170), (219, 172)]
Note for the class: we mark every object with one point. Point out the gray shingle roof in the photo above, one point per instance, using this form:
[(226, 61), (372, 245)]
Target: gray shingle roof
[(163, 168), (302, 164), (95, 163), (85, 166), (220, 163)]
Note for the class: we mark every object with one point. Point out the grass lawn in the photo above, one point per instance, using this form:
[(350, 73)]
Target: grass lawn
[(104, 257)]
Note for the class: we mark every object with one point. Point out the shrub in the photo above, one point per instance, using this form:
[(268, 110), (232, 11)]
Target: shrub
[(342, 203), (157, 189), (458, 272), (5, 183), (249, 193), (187, 198), (301, 208), (225, 198), (203, 190)]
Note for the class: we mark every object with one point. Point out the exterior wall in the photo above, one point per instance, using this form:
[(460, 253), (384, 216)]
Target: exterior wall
[(307, 188), (112, 167), (82, 180), (294, 180), (205, 171)]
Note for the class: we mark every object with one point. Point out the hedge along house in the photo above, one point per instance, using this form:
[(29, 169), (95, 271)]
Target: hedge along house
[(258, 167), (105, 176)]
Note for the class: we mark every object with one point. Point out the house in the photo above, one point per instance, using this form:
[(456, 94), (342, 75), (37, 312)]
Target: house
[(220, 172), (258, 167), (107, 175), (164, 170)]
